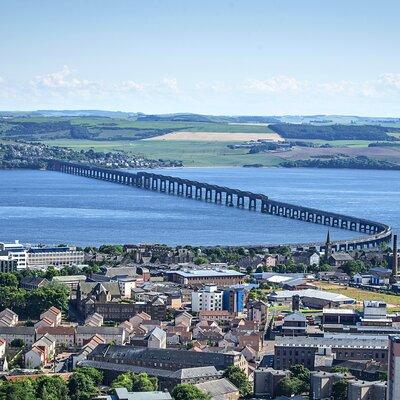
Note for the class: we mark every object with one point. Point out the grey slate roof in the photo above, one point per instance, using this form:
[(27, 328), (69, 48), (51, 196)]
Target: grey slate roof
[(218, 388)]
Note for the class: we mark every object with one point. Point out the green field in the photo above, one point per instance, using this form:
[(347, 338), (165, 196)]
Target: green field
[(191, 153)]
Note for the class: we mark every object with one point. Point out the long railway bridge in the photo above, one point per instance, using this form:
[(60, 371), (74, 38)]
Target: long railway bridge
[(373, 233)]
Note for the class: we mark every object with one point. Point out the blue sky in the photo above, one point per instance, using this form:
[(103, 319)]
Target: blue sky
[(216, 57)]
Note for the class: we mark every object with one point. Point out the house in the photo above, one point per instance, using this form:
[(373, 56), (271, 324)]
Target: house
[(86, 350), (219, 389), (216, 315), (254, 340), (94, 320), (184, 318), (25, 333), (44, 322), (8, 318), (294, 324), (337, 260), (157, 338), (33, 282), (41, 353), (2, 348), (64, 335), (72, 281), (110, 334), (53, 314)]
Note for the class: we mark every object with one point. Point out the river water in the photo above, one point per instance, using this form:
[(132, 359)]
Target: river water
[(51, 208)]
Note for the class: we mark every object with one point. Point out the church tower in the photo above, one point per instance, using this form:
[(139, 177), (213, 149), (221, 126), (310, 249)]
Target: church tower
[(328, 246)]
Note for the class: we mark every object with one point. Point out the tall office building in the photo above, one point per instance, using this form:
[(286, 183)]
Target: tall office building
[(394, 368)]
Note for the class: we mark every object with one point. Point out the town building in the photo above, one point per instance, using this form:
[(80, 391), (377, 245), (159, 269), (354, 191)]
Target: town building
[(8, 318), (219, 389), (266, 380), (124, 394), (393, 392), (294, 324), (216, 276), (207, 299), (170, 366), (33, 282), (312, 298), (360, 390), (7, 264), (304, 350), (37, 257), (15, 252), (322, 383), (72, 281), (233, 300)]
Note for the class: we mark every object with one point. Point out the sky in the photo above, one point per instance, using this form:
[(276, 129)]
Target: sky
[(216, 57)]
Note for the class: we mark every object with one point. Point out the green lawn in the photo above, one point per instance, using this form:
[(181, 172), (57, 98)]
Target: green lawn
[(191, 153)]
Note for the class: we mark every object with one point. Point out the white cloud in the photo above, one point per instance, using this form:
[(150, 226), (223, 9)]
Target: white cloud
[(61, 79), (276, 84)]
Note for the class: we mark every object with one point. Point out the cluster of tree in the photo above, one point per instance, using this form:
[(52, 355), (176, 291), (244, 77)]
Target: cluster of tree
[(135, 382), (83, 385), (72, 129), (297, 383), (359, 162), (354, 267), (32, 303), (238, 377), (333, 132)]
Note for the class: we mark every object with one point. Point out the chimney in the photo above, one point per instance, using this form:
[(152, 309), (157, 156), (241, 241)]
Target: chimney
[(394, 260), (295, 303)]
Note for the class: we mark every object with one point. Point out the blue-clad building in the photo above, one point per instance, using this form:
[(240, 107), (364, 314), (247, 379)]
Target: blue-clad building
[(233, 300)]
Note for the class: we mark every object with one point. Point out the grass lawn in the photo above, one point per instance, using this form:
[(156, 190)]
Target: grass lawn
[(359, 294), (191, 153)]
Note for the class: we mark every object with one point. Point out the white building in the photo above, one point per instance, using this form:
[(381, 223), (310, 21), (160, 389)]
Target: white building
[(58, 256), (15, 252), (208, 299)]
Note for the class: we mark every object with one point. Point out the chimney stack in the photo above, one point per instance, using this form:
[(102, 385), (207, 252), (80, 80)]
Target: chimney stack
[(295, 303), (394, 260)]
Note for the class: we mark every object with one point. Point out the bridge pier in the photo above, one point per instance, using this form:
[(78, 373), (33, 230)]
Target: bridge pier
[(378, 233)]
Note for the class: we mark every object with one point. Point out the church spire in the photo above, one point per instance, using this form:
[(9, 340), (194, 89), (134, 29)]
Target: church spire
[(328, 245)]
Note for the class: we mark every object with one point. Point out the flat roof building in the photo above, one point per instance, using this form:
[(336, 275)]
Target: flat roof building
[(217, 276)]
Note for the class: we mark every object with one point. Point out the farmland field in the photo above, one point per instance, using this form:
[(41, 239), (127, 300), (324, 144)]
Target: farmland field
[(191, 153), (217, 136)]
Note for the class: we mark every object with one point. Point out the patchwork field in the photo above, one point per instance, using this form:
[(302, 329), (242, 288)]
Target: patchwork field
[(218, 136), (191, 153)]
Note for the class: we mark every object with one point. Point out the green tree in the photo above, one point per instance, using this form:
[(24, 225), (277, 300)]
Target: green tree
[(186, 391), (41, 299), (200, 260), (143, 383), (289, 387), (17, 343), (51, 388), (8, 279), (302, 373), (339, 390), (20, 390), (342, 370), (81, 387), (354, 267), (239, 378), (93, 373), (123, 381)]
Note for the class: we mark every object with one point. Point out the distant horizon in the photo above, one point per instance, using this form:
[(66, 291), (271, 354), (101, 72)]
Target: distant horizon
[(193, 113)]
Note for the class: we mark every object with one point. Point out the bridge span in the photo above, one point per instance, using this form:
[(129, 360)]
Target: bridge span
[(374, 233)]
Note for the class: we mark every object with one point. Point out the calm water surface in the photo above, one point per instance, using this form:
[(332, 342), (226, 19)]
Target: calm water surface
[(50, 207)]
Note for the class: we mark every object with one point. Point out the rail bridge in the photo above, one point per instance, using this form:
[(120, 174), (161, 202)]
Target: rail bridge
[(374, 233)]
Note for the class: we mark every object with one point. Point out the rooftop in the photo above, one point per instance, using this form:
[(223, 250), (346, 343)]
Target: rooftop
[(206, 273)]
